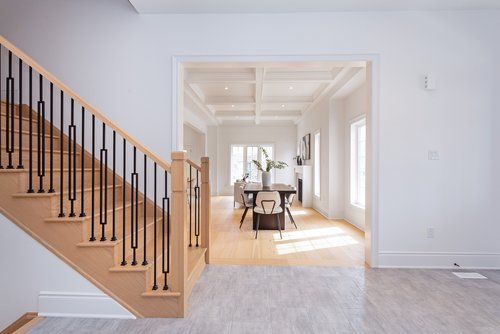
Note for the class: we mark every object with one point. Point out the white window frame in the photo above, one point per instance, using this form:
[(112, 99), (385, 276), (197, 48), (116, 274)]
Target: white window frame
[(354, 170), (317, 164), (245, 157)]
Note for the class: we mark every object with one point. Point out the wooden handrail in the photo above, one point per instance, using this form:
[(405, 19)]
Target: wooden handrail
[(193, 164), (99, 115)]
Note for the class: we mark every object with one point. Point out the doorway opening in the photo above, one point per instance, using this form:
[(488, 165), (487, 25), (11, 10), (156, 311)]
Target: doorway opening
[(303, 111)]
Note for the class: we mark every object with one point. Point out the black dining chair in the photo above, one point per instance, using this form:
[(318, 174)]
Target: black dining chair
[(247, 202), (288, 205)]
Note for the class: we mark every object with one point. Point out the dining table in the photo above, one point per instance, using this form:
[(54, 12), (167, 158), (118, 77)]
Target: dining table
[(268, 222)]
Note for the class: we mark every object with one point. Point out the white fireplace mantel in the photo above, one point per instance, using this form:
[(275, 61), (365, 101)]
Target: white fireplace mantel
[(305, 173)]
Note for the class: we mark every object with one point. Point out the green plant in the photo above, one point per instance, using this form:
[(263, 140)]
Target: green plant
[(270, 164)]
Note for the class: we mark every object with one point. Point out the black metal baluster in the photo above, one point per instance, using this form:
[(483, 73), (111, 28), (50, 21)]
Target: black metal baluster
[(103, 185), (113, 234), (72, 161), (61, 155), (9, 115), (165, 203), (51, 143), (30, 140), (134, 210), (124, 181), (190, 201), (40, 136), (144, 261), (197, 210), (155, 285), (82, 167), (92, 204), (20, 115)]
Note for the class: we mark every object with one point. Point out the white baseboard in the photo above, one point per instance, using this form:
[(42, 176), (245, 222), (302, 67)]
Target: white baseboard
[(444, 260), (80, 305), (321, 212), (362, 228)]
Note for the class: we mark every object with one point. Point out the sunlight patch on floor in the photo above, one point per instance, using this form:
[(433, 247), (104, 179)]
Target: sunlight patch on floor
[(311, 233), (316, 244)]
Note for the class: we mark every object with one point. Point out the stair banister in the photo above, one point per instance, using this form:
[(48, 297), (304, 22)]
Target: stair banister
[(88, 107)]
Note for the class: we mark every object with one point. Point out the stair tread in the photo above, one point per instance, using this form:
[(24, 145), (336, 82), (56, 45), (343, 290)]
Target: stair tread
[(57, 193), (108, 242), (34, 133), (47, 150), (161, 293), (26, 170), (88, 217)]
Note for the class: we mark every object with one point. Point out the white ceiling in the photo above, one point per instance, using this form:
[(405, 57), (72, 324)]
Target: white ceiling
[(281, 6), (265, 93)]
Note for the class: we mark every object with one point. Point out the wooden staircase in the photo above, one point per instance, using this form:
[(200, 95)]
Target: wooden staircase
[(99, 202)]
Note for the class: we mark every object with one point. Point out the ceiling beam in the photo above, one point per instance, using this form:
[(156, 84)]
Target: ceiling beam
[(190, 93), (219, 77), (341, 79), (225, 100), (259, 85)]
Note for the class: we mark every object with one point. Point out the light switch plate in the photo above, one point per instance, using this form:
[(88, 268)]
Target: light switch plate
[(433, 155)]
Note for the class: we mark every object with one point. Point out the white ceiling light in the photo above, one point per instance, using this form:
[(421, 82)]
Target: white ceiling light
[(226, 88), (282, 106), (291, 87), (232, 105)]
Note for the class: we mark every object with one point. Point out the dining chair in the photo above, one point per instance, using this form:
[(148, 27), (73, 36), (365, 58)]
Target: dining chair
[(288, 205), (268, 203), (247, 202)]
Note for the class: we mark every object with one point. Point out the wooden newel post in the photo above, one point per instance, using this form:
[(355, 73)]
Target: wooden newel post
[(206, 198), (178, 237)]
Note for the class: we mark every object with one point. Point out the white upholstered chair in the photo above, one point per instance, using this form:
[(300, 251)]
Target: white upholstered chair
[(237, 192), (268, 203)]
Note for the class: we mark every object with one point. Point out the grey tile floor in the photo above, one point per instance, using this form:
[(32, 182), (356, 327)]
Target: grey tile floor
[(274, 299)]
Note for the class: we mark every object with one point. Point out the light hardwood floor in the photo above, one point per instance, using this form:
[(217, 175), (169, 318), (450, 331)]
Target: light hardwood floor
[(317, 241)]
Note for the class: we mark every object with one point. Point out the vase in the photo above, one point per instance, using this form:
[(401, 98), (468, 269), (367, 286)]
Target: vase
[(266, 179)]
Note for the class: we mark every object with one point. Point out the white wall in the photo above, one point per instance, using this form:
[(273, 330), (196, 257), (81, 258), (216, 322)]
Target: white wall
[(194, 144), (337, 165), (285, 148), (122, 63), (30, 270), (318, 118), (355, 107)]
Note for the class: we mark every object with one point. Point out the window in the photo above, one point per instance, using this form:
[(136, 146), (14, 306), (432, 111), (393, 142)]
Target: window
[(317, 164), (358, 163), (241, 161)]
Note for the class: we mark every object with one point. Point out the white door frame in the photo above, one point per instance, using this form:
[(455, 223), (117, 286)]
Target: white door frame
[(372, 121)]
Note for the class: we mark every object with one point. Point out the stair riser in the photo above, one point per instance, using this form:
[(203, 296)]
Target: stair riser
[(26, 137), (118, 251), (56, 159), (159, 277), (25, 123), (56, 180), (118, 223), (54, 201)]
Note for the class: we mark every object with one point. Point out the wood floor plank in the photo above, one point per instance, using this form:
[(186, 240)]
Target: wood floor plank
[(316, 241)]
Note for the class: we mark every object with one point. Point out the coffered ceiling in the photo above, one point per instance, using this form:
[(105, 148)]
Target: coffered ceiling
[(266, 92)]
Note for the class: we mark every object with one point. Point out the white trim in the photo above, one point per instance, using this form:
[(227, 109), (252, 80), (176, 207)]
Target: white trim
[(322, 212), (371, 246), (355, 225), (80, 305), (414, 259)]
